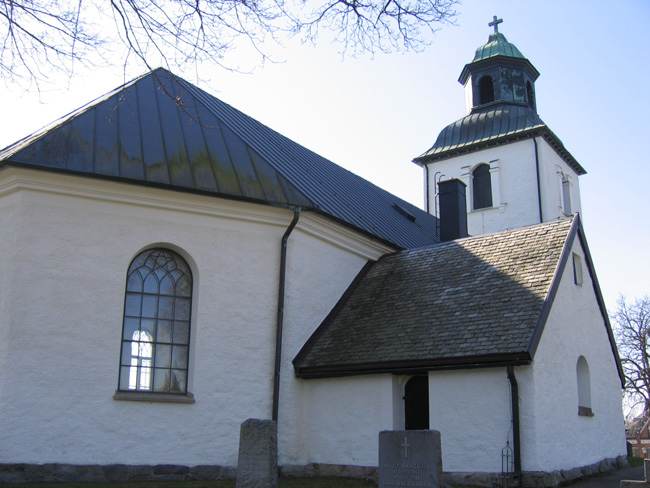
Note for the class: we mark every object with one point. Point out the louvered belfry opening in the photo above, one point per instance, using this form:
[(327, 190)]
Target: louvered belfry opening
[(486, 89), (453, 210)]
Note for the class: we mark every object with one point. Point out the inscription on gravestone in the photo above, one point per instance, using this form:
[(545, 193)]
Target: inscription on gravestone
[(410, 459)]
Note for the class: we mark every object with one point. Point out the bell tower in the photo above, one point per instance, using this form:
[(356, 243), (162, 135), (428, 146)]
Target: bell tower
[(498, 74), (516, 170)]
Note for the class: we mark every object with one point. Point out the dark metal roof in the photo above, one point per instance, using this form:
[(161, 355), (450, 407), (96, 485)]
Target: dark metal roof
[(474, 301), (500, 124), (162, 131)]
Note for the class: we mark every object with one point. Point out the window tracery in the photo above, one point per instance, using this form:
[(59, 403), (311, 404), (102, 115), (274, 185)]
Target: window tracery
[(156, 326)]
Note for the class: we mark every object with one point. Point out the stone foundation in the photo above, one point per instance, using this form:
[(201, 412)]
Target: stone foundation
[(69, 473), (329, 470), (537, 479)]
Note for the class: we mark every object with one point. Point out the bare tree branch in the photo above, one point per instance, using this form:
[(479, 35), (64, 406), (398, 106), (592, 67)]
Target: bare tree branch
[(632, 331), (42, 37)]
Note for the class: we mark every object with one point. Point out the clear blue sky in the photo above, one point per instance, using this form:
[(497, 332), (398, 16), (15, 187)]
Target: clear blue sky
[(374, 115)]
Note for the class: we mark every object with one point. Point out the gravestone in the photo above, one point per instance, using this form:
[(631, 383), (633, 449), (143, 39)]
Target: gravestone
[(257, 466), (410, 459)]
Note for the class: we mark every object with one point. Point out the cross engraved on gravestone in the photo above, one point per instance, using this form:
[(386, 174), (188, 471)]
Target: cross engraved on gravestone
[(410, 459), (406, 446)]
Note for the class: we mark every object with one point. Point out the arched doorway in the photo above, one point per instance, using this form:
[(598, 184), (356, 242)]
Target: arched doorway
[(416, 403)]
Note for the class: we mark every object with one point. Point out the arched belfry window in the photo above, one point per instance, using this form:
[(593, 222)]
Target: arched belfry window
[(531, 95), (486, 89), (584, 387), (156, 327), (482, 186), (416, 403)]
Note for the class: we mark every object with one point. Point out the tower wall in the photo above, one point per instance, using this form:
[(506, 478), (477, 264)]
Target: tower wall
[(514, 184)]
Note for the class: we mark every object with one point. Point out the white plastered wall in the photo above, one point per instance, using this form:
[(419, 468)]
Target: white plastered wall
[(310, 423), (341, 419), (471, 409), (8, 232), (553, 435), (552, 170), (64, 266), (513, 171)]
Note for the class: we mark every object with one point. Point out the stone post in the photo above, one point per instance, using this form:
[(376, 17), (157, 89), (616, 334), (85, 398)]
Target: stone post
[(257, 466)]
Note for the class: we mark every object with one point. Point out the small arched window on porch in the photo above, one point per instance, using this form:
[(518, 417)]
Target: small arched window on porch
[(482, 187), (486, 89), (416, 403), (584, 388), (531, 95)]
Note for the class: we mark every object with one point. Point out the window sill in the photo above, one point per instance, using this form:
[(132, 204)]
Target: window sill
[(585, 412), (501, 208), (484, 209), (139, 396)]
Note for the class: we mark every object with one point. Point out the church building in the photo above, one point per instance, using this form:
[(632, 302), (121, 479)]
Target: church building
[(171, 268)]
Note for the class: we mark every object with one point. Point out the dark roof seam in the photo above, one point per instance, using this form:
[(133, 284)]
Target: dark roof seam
[(160, 128), (138, 109), (206, 146), (179, 100)]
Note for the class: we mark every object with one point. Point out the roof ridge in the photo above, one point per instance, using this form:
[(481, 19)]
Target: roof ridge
[(11, 149)]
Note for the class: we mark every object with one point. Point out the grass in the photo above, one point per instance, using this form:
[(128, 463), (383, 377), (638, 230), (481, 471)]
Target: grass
[(283, 483), (635, 461)]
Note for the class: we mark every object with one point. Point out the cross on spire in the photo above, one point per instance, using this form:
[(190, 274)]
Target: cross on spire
[(495, 23)]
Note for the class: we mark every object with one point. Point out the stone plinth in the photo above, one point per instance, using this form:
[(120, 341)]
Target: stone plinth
[(410, 459)]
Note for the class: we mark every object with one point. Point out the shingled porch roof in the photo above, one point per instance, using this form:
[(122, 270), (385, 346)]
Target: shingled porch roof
[(475, 302), (159, 130)]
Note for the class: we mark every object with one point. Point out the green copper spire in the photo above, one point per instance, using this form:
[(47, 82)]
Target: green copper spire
[(499, 74), (497, 45)]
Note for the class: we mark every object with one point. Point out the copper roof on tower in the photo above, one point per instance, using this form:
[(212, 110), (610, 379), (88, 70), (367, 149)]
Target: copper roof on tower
[(497, 45), (493, 126), (501, 120)]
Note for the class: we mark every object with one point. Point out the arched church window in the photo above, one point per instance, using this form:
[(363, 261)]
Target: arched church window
[(416, 403), (584, 388), (156, 326), (486, 89), (482, 186), (531, 95)]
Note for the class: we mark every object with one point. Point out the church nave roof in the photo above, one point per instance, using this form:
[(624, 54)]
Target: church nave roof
[(159, 130)]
